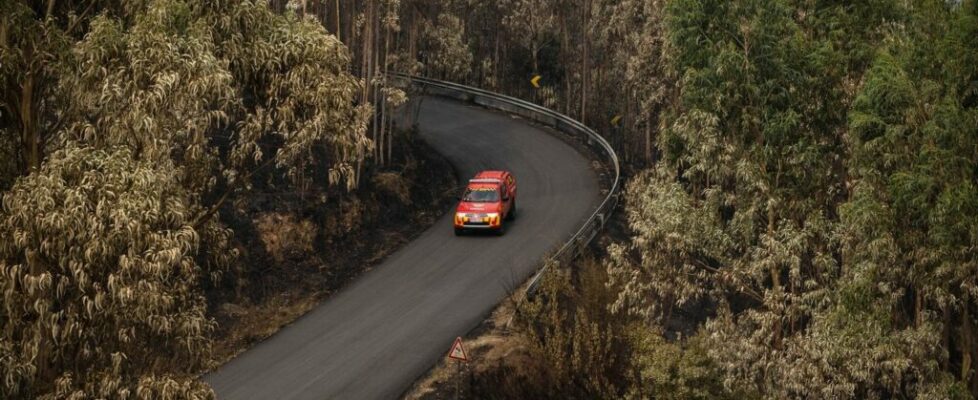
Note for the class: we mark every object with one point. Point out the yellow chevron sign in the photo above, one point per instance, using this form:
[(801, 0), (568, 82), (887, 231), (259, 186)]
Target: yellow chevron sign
[(616, 120), (536, 81)]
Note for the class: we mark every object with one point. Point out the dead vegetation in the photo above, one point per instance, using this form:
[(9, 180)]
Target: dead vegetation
[(489, 346), (284, 235), (537, 348), (298, 248)]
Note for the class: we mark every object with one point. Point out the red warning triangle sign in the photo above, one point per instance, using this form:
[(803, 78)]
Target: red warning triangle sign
[(457, 351)]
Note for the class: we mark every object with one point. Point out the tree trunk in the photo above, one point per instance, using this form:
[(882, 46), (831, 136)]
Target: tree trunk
[(775, 271), (351, 29), (364, 56), (918, 307), (648, 141), (568, 59), (536, 66), (413, 36), (585, 67), (337, 4), (374, 67), (967, 347), (946, 335), (495, 64), (30, 136), (390, 120), (384, 134), (667, 315)]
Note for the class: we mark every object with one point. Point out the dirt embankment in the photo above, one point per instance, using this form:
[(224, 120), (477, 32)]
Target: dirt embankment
[(298, 247)]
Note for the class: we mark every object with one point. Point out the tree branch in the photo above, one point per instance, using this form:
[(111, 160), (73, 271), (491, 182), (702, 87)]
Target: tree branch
[(80, 17), (744, 289), (227, 194)]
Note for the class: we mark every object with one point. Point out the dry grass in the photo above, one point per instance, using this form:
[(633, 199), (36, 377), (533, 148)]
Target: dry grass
[(393, 184), (258, 322), (297, 253), (284, 236), (491, 345), (486, 347)]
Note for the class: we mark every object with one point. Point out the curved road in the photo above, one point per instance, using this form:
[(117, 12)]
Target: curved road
[(375, 337)]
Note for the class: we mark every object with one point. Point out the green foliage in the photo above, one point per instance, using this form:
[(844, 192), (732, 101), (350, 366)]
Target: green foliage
[(815, 180), (669, 370), (671, 236), (579, 348), (578, 342), (738, 205), (912, 217), (833, 225), (445, 53), (815, 183)]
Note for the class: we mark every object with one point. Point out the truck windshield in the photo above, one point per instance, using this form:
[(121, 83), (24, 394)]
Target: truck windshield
[(481, 195)]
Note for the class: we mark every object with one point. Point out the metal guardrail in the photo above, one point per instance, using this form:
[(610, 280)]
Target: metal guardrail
[(573, 247)]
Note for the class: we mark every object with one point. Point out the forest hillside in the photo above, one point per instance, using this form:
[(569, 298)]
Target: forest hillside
[(800, 218)]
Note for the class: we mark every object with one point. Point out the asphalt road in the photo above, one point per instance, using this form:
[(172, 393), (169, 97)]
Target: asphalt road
[(375, 337)]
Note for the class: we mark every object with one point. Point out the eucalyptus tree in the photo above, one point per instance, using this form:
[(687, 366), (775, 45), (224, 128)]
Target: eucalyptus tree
[(530, 23), (295, 88), (161, 114), (254, 66), (372, 30), (741, 209), (34, 40), (100, 284), (911, 224), (390, 96), (631, 35), (445, 53), (154, 85), (739, 164), (183, 82), (487, 39)]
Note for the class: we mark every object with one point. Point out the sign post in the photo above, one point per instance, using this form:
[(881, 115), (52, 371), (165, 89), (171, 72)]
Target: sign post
[(457, 353)]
